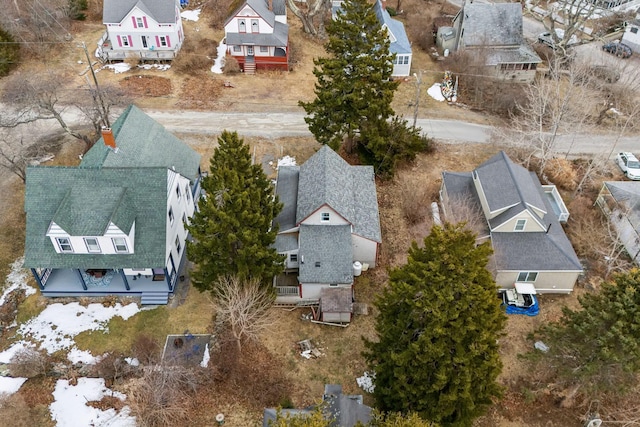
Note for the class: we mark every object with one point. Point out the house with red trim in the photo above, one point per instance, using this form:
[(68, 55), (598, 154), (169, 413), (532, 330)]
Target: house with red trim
[(145, 29), (329, 227), (257, 35)]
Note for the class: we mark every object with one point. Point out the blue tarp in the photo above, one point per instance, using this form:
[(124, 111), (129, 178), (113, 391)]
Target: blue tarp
[(532, 310)]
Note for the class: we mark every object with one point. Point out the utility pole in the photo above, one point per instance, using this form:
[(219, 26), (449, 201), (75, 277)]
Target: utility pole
[(417, 102), (104, 113)]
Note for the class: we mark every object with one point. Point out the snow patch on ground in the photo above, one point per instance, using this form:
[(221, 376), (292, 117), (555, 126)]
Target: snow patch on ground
[(70, 407), (435, 92), (5, 356), (58, 324), (17, 279), (161, 67), (82, 356), (365, 382), (10, 385), (205, 357), (287, 161), (219, 61), (119, 67), (191, 15)]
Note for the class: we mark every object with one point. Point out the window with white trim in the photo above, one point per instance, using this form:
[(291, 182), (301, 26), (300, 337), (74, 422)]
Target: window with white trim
[(520, 224), (120, 244), (236, 49), (178, 192), (254, 26), (242, 26), (125, 41), (140, 23), (184, 219), (293, 257), (64, 244), (264, 49), (163, 41), (178, 247), (92, 244), (187, 192), (325, 216), (527, 276), (171, 217)]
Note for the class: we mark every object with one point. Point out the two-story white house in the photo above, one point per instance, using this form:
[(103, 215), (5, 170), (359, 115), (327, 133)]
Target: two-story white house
[(144, 29), (257, 35), (531, 250), (329, 228), (399, 43), (115, 224)]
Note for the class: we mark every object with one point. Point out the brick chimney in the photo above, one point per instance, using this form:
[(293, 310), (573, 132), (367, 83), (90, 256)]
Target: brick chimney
[(107, 136), (270, 4)]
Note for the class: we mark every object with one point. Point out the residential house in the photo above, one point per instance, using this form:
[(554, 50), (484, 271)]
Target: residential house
[(631, 36), (340, 409), (115, 224), (620, 202), (492, 32), (257, 35), (329, 227), (531, 250), (399, 42), (144, 29)]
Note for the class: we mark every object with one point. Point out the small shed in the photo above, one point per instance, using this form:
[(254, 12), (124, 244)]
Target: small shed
[(336, 305)]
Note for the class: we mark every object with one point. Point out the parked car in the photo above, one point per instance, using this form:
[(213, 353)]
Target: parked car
[(545, 38), (618, 49), (630, 165)]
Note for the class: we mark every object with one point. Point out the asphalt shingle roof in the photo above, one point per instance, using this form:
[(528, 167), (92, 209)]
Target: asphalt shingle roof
[(505, 184), (627, 194), (328, 179), (402, 44), (162, 11), (144, 197), (327, 254), (279, 37), (143, 142), (287, 192), (494, 24)]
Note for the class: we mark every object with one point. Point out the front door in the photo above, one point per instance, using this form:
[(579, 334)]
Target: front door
[(249, 50)]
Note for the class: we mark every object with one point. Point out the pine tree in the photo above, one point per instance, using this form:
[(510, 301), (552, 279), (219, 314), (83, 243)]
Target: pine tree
[(437, 327), (9, 53), (598, 346), (232, 231), (354, 82)]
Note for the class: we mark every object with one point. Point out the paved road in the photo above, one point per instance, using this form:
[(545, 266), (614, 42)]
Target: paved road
[(275, 125)]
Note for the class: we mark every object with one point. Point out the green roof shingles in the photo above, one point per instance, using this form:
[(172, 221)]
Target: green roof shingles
[(142, 141), (144, 191)]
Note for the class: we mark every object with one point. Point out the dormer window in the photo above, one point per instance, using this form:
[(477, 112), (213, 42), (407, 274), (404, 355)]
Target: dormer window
[(120, 244), (325, 216), (92, 244), (520, 224), (64, 244)]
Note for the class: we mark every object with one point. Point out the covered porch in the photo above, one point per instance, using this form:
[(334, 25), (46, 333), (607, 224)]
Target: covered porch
[(106, 51)]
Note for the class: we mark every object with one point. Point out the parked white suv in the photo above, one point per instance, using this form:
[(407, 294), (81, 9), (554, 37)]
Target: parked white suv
[(629, 165)]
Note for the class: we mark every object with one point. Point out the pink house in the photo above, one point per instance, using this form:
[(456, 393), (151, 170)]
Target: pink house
[(145, 29)]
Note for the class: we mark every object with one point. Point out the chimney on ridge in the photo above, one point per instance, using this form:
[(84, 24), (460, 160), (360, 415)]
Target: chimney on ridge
[(270, 4), (107, 136)]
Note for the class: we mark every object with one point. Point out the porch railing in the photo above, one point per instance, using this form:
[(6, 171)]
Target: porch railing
[(283, 291)]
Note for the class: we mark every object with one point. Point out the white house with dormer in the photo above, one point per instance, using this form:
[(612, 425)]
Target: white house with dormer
[(144, 29), (117, 223)]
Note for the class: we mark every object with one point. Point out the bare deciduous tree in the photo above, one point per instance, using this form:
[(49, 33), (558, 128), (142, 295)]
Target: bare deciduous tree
[(16, 155), (161, 397), (29, 362), (309, 12), (244, 307), (574, 14), (465, 210)]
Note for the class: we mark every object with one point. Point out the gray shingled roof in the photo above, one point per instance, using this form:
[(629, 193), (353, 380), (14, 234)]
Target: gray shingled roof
[(143, 142), (504, 184), (627, 193), (522, 54), (287, 192), (145, 190), (402, 44), (494, 24), (162, 11), (507, 184), (327, 179), (279, 38), (536, 251), (327, 254)]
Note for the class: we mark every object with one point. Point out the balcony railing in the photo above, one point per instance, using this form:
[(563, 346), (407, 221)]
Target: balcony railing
[(283, 291)]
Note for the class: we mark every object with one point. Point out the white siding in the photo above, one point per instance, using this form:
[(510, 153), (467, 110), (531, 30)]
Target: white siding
[(556, 282), (247, 14), (316, 217), (105, 242), (630, 38), (364, 250), (180, 206)]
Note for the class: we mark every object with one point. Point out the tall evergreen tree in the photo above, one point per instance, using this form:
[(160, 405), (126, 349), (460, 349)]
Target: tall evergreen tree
[(437, 327), (9, 53), (354, 82), (232, 231), (598, 346)]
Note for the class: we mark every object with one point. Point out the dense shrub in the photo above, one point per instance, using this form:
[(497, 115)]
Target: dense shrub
[(9, 53), (231, 65), (197, 54)]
